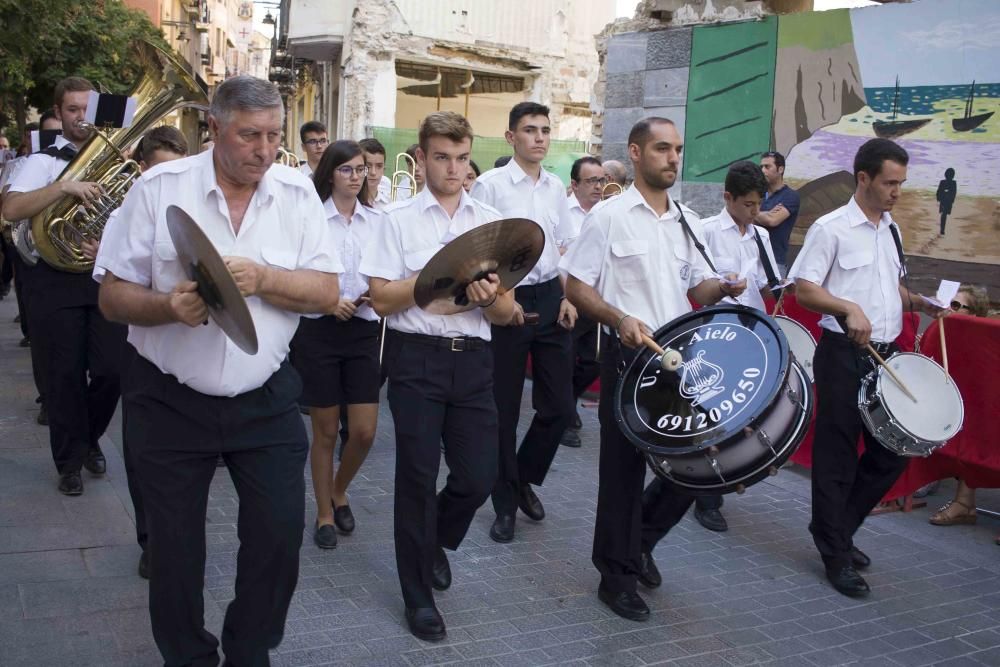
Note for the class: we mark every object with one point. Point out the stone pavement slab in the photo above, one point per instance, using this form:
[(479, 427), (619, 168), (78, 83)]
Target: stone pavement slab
[(69, 593)]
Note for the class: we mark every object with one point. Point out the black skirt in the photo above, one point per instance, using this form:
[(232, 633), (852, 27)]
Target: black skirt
[(338, 361)]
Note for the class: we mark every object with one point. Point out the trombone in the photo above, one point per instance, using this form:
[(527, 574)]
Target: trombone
[(408, 171), (610, 190)]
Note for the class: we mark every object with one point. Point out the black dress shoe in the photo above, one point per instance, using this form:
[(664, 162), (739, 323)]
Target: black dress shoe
[(95, 463), (847, 581), (503, 528), (144, 565), (711, 519), (441, 572), (649, 574), (626, 604), (70, 484), (570, 438), (425, 623), (344, 518), (859, 559), (325, 536), (43, 416), (530, 504)]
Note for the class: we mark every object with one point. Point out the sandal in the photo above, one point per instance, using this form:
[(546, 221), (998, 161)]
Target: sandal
[(945, 518)]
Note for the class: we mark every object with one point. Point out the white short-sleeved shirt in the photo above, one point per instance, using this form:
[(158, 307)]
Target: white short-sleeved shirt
[(639, 262), (411, 232), (738, 253), (39, 170), (284, 227), (576, 216), (852, 259), (512, 192), (350, 241)]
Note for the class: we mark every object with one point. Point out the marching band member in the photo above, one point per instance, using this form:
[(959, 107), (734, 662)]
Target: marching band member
[(440, 370), (633, 269), (849, 270), (79, 350), (194, 394), (337, 354), (523, 189)]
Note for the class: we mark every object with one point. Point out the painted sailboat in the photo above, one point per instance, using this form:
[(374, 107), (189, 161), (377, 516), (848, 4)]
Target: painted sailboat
[(970, 122), (890, 129)]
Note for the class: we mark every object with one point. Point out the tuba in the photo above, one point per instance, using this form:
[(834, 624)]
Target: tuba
[(58, 232)]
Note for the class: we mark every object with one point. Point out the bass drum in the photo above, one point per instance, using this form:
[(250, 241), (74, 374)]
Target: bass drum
[(735, 410), (800, 341)]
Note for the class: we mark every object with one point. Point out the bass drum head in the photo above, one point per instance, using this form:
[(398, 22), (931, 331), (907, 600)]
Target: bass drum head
[(938, 412), (801, 343), (735, 362)]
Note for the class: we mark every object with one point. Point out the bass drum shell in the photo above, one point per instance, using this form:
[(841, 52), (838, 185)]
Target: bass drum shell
[(800, 342), (759, 450)]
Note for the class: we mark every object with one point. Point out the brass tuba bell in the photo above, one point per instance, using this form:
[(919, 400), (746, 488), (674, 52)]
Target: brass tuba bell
[(59, 231)]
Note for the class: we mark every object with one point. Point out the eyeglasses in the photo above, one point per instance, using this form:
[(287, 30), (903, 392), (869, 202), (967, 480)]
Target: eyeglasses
[(958, 306), (346, 171), (316, 142), (596, 180)]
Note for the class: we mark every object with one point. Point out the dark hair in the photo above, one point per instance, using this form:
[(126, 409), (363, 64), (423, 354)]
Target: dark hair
[(574, 171), (335, 155), (874, 152), (745, 177), (475, 167), (779, 159), (522, 109), (71, 84), (373, 146), (442, 124), (501, 161), (313, 126), (164, 138), (642, 130)]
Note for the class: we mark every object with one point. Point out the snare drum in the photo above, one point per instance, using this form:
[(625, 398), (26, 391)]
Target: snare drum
[(901, 425), (800, 341), (735, 410)]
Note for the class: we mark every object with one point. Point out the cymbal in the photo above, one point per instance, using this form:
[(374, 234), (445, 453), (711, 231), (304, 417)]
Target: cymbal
[(216, 286), (510, 248)]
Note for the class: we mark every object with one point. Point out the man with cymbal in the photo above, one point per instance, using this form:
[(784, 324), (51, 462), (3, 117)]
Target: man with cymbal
[(440, 369), (849, 270), (193, 393), (524, 189), (633, 269)]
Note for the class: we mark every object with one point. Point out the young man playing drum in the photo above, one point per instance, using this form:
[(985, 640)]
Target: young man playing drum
[(633, 269), (849, 271)]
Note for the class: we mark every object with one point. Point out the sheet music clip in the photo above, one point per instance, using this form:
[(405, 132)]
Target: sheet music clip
[(42, 139), (105, 110)]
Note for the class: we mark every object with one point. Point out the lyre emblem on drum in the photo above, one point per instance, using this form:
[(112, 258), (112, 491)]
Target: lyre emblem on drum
[(700, 379)]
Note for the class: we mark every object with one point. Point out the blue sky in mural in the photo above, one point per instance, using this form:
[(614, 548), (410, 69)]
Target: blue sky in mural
[(928, 43)]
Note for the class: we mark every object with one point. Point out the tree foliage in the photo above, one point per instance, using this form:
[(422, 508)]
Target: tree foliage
[(44, 41)]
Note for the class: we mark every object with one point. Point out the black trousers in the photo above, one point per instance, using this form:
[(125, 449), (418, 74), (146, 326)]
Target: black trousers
[(436, 395), (551, 349), (78, 354), (844, 487), (176, 435), (586, 367)]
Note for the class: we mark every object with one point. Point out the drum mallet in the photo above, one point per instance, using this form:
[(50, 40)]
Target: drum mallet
[(881, 361), (670, 360)]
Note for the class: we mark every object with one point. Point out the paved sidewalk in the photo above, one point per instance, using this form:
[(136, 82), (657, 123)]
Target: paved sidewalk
[(69, 592)]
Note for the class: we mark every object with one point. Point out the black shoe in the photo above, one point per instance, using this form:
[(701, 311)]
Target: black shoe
[(859, 559), (570, 438), (711, 519), (25, 342), (530, 504), (70, 484), (624, 603), (847, 581), (43, 416), (441, 572), (95, 463), (325, 536), (577, 422), (649, 574), (343, 517), (144, 565), (503, 528), (426, 623)]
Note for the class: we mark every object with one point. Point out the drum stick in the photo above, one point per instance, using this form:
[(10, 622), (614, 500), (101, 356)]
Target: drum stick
[(944, 348), (881, 362), (670, 360)]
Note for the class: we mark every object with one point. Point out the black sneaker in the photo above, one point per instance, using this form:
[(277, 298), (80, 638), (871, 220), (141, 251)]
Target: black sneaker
[(70, 483)]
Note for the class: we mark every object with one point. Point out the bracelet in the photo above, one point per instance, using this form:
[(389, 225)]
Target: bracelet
[(491, 302), (620, 320)]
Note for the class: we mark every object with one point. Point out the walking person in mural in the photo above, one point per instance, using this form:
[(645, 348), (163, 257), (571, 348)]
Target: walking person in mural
[(946, 192)]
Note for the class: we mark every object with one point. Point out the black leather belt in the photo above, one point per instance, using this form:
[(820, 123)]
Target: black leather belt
[(882, 348), (463, 344)]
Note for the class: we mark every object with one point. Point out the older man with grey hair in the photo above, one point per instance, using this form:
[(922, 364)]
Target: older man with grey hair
[(193, 394)]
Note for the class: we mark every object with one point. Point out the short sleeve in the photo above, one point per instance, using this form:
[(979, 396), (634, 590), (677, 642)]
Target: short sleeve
[(816, 257), (585, 258), (34, 174), (127, 243), (318, 251), (383, 256)]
